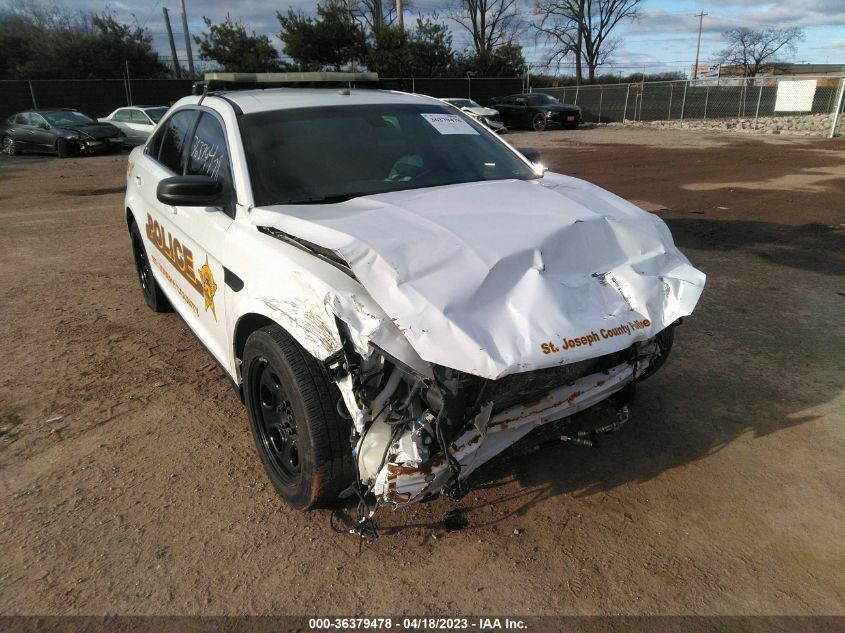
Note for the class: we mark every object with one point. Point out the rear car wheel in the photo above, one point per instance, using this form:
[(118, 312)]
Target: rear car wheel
[(9, 146), (302, 440), (153, 296), (539, 122)]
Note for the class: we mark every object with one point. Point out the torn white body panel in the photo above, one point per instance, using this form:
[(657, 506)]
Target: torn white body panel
[(501, 277)]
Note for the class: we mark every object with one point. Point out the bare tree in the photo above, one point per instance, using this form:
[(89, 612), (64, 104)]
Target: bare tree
[(583, 28), (491, 23), (755, 49), (374, 14)]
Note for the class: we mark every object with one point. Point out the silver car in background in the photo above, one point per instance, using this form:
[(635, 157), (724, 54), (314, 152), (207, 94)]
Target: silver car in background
[(487, 116), (137, 122)]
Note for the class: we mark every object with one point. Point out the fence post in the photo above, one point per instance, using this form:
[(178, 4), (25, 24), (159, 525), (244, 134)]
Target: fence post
[(839, 102), (671, 92), (684, 102), (706, 99), (601, 97), (577, 88), (625, 115), (642, 96), (32, 92), (413, 85), (757, 111)]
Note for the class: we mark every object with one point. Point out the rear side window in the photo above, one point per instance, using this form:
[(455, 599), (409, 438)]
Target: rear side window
[(170, 141), (209, 154), (123, 115), (139, 117), (22, 119)]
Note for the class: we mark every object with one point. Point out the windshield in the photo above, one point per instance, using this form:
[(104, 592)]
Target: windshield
[(541, 98), (156, 113), (464, 103), (336, 153), (61, 118)]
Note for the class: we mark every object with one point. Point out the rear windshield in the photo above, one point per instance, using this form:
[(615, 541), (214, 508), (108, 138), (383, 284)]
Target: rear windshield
[(67, 117), (156, 113), (331, 154)]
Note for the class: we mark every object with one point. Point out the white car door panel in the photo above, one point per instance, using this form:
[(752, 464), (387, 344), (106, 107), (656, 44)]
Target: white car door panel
[(185, 244)]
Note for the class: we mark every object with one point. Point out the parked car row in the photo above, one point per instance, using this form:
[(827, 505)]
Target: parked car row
[(534, 111), (68, 132)]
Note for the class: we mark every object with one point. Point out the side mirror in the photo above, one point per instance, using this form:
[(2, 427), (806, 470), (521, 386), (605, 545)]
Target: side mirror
[(44, 126), (192, 191), (530, 153)]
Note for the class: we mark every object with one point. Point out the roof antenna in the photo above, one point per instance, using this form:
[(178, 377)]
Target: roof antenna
[(204, 93)]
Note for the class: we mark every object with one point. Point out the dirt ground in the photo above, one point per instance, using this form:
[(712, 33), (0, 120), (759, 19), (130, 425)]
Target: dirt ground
[(130, 485)]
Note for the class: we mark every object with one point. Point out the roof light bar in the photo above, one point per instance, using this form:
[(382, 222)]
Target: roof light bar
[(280, 78), (243, 81)]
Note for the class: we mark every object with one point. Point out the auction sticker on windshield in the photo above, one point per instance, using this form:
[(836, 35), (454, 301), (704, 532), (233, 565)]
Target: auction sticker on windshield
[(449, 124)]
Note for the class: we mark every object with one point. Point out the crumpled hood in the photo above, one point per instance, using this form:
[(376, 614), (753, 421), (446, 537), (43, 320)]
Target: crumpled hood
[(501, 277), (94, 130)]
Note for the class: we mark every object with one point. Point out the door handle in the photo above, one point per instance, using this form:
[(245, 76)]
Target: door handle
[(139, 181)]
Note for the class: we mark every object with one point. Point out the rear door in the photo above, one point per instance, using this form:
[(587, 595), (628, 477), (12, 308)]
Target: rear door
[(139, 127), (120, 119), (186, 244), (19, 131)]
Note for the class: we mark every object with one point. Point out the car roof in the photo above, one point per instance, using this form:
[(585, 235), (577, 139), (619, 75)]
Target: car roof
[(252, 101)]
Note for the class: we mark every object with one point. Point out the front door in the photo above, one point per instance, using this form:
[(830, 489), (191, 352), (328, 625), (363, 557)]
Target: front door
[(186, 244), (42, 137)]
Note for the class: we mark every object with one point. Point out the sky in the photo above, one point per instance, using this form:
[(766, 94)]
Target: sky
[(663, 39)]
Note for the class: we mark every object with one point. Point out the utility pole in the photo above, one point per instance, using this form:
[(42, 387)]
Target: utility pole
[(400, 21), (188, 51), (176, 68), (698, 45)]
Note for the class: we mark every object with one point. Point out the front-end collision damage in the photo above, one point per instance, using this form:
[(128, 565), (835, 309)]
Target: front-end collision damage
[(541, 299), (417, 436)]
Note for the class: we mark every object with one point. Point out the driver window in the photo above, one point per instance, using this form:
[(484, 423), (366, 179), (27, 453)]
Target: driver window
[(122, 115), (520, 101), (208, 152), (37, 120)]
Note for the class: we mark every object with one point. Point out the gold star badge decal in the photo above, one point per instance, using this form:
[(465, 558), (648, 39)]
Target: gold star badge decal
[(209, 288)]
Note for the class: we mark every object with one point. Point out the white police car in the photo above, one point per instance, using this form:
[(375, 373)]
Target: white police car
[(397, 293)]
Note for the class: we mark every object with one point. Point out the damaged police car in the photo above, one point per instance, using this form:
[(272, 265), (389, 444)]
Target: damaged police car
[(397, 293)]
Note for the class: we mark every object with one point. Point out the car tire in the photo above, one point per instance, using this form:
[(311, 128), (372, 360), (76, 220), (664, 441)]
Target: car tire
[(153, 295), (302, 440), (62, 148), (539, 122), (665, 340), (10, 146)]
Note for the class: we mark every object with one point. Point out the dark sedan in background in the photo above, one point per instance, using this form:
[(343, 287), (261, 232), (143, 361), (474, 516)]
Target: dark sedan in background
[(64, 132), (536, 111)]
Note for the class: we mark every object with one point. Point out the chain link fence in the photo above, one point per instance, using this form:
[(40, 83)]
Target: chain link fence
[(797, 105)]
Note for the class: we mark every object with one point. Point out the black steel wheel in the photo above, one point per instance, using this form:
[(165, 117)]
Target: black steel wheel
[(291, 402), (539, 122), (276, 421), (153, 296)]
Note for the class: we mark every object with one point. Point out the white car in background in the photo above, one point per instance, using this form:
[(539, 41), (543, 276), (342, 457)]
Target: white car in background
[(137, 122), (487, 116)]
